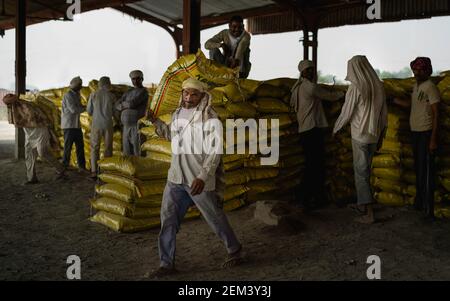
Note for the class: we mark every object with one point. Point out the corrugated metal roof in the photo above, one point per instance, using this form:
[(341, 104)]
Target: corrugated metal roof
[(172, 11), (391, 10)]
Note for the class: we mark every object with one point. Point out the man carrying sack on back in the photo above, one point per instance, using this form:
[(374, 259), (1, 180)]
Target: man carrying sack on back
[(39, 140), (195, 177)]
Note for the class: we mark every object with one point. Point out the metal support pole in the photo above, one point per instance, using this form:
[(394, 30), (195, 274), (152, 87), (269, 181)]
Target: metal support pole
[(21, 19)]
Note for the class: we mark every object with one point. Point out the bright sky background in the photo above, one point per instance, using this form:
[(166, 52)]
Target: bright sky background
[(107, 42)]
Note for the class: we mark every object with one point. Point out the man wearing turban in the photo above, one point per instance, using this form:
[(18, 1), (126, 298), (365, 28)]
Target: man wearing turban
[(70, 123), (423, 121), (194, 177), (132, 106)]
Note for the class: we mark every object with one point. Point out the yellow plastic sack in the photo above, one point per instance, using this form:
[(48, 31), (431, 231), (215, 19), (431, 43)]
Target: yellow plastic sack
[(254, 174), (128, 182), (445, 182), (271, 105), (249, 85), (243, 109), (158, 145), (234, 191), (233, 205), (390, 199), (167, 95), (223, 113), (229, 166), (396, 122), (389, 185), (393, 88), (124, 209), (386, 161), (122, 193), (232, 158), (409, 177), (283, 82), (236, 177), (267, 90), (159, 157), (137, 167), (442, 212), (262, 186), (394, 174), (124, 224), (149, 132), (233, 92)]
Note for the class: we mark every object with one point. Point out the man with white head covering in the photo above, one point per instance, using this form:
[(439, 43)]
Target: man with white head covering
[(70, 123), (132, 105), (424, 123), (38, 138), (366, 110), (194, 177), (306, 100), (100, 107)]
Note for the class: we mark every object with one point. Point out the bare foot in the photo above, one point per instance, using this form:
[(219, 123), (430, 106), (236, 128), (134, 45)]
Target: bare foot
[(365, 219)]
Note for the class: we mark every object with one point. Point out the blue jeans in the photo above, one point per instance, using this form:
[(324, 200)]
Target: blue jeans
[(362, 162), (176, 201)]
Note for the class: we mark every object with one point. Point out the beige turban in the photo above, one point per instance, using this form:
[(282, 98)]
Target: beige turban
[(136, 73), (192, 83), (104, 82), (75, 82), (305, 64)]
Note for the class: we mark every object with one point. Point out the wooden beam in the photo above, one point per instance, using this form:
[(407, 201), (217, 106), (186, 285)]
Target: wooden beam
[(191, 26), (21, 69)]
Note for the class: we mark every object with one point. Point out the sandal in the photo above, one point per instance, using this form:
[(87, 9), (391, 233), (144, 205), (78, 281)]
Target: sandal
[(233, 259)]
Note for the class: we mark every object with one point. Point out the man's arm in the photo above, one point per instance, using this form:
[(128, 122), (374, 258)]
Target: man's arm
[(242, 47), (347, 109), (161, 128), (215, 42), (71, 105), (90, 105), (324, 94), (137, 101), (434, 132), (405, 103)]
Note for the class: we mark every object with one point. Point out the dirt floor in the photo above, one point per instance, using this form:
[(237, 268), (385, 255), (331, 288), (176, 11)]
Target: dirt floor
[(42, 225)]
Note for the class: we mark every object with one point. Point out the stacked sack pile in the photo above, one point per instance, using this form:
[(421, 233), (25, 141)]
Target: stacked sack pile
[(246, 179), (50, 101), (339, 179), (129, 199)]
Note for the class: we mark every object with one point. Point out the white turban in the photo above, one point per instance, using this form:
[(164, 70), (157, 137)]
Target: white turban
[(9, 99), (192, 83), (136, 73), (75, 82), (104, 82), (305, 64)]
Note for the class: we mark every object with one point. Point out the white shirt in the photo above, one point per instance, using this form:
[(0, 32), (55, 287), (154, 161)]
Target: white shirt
[(423, 96), (307, 102), (100, 107), (357, 112), (71, 110)]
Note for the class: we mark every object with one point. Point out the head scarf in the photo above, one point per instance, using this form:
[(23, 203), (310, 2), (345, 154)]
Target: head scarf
[(192, 83), (422, 63), (75, 82), (305, 64), (136, 73), (362, 75)]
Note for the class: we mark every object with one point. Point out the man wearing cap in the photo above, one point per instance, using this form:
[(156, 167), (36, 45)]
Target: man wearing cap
[(70, 123), (132, 105), (195, 177), (423, 121), (235, 42), (38, 138), (306, 100), (100, 107)]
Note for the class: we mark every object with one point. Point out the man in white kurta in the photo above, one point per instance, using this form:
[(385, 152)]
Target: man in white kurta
[(194, 177)]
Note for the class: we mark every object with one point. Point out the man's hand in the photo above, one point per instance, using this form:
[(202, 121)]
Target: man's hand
[(234, 63), (433, 146), (226, 50), (151, 116), (197, 186)]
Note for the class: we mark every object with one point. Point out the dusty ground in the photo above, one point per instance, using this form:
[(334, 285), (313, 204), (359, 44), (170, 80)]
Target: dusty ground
[(42, 225)]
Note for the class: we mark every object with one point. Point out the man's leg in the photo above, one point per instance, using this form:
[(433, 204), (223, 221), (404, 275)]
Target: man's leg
[(175, 204), (318, 167), (30, 163), (79, 143), (429, 174), (126, 148), (68, 142), (306, 187), (362, 157), (418, 167), (95, 148), (135, 140), (210, 209), (108, 136), (217, 56)]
